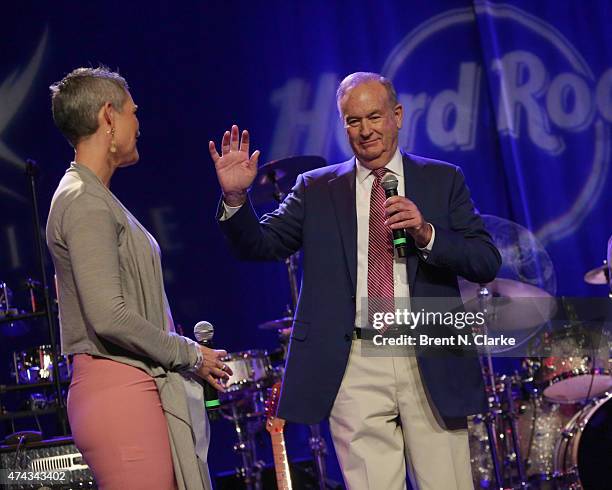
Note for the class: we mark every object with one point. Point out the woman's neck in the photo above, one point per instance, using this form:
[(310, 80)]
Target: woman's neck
[(96, 161)]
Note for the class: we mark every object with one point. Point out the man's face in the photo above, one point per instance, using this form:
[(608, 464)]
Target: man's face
[(371, 123)]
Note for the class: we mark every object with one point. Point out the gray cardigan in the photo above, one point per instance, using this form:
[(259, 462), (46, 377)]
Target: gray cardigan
[(112, 304)]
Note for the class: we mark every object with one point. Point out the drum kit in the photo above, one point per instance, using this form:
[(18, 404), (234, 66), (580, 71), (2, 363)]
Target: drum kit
[(549, 424), (32, 368)]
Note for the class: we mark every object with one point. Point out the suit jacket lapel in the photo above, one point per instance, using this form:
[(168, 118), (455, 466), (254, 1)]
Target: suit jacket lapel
[(413, 188), (342, 189)]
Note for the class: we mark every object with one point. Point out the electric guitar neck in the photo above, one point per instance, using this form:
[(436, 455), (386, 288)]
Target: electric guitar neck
[(276, 427)]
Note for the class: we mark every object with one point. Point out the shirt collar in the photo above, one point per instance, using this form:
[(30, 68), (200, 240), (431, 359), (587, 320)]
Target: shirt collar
[(395, 166)]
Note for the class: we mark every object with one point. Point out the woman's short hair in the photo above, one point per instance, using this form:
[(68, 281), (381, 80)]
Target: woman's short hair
[(77, 98)]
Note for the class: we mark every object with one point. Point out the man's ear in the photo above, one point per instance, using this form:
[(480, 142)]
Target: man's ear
[(398, 113)]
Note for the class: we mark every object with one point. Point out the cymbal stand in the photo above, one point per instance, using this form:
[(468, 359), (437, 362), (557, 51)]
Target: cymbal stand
[(490, 386), (496, 416), (316, 441), (512, 417)]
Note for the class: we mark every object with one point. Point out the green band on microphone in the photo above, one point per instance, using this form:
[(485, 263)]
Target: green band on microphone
[(399, 241), (212, 403)]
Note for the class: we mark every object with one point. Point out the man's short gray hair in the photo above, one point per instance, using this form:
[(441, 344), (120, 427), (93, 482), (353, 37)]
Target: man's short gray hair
[(77, 98), (359, 77)]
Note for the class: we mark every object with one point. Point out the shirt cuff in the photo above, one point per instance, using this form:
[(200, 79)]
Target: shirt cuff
[(427, 248), (229, 211)]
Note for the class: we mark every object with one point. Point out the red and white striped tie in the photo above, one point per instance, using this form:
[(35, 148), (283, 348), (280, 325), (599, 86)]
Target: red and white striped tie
[(380, 254)]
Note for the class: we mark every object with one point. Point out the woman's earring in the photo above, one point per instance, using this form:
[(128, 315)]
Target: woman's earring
[(113, 146)]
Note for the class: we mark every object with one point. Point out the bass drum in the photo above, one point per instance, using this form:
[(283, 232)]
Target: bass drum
[(540, 425), (584, 451)]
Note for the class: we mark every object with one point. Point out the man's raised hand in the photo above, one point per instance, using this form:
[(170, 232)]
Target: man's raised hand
[(236, 171)]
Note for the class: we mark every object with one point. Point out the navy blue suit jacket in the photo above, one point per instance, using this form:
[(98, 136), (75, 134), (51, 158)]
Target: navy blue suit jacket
[(319, 217)]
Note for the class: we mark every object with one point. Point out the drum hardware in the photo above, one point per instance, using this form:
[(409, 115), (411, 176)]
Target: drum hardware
[(268, 190), (599, 275), (243, 404), (273, 174), (283, 329), (582, 453), (513, 307), (512, 417), (33, 286), (490, 418), (42, 401), (500, 420), (246, 428), (10, 328), (539, 425), (36, 365), (279, 324)]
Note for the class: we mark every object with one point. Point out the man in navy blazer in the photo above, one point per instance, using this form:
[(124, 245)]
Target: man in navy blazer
[(324, 217)]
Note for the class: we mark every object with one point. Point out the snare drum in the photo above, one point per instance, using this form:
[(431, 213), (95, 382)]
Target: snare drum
[(35, 365), (252, 370), (584, 450), (577, 368)]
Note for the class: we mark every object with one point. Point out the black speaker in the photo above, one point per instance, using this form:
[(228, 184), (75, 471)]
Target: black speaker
[(54, 463)]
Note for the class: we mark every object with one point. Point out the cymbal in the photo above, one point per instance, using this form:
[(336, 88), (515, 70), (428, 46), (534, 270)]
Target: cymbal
[(284, 172), (285, 322), (599, 275), (516, 306)]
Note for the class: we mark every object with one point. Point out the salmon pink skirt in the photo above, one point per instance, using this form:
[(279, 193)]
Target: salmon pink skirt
[(118, 425)]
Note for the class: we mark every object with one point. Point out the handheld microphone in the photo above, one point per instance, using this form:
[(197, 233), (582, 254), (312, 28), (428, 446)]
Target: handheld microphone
[(389, 184), (203, 333)]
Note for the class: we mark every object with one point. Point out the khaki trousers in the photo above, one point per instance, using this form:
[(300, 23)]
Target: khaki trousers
[(381, 422)]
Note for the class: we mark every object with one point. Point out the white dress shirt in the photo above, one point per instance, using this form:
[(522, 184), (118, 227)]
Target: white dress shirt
[(363, 190)]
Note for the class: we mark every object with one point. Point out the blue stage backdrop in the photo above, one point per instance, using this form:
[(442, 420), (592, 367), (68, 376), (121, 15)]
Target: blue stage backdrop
[(519, 94)]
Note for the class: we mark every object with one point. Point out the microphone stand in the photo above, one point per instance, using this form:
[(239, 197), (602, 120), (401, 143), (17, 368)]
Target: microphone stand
[(316, 441), (31, 173)]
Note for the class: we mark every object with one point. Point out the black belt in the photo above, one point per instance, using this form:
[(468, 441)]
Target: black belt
[(370, 333), (364, 333)]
